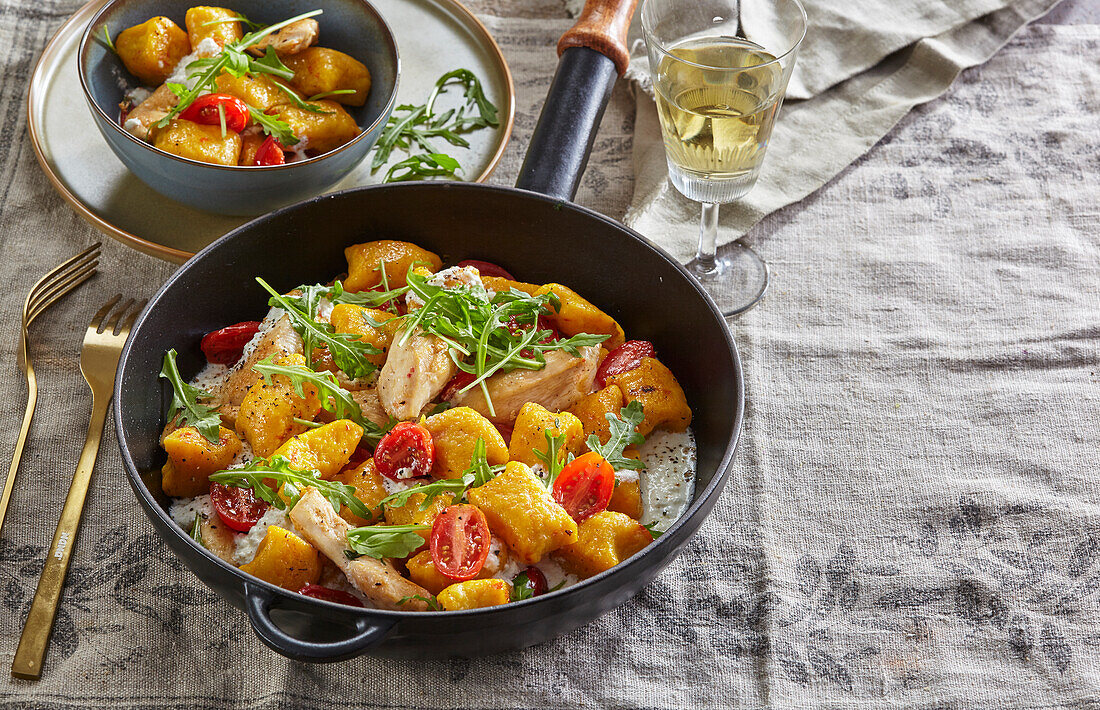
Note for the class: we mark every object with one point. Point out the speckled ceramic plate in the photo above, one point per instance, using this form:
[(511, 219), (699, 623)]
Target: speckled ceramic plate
[(433, 37)]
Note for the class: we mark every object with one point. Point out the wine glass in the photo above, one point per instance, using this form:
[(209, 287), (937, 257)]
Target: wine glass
[(720, 70)]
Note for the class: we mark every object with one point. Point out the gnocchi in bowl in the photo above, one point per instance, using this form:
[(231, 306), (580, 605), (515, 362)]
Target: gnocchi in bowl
[(244, 109), (413, 437)]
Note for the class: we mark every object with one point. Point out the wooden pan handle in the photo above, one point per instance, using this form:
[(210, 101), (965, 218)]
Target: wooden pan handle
[(602, 26)]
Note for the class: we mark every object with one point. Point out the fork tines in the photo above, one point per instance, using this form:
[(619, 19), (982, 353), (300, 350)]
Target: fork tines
[(60, 281), (118, 322)]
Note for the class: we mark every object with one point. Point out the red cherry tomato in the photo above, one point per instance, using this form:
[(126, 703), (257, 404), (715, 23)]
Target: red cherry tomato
[(239, 508), (457, 382), (225, 346), (536, 581), (270, 152), (622, 359), (205, 110), (585, 485), (486, 268), (459, 542), (406, 451), (329, 595)]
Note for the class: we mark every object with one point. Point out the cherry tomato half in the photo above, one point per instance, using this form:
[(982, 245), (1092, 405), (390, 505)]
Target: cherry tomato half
[(270, 152), (329, 595), (239, 508), (622, 359), (225, 346), (204, 110), (486, 268), (585, 485), (457, 382), (536, 581), (406, 451), (459, 542)]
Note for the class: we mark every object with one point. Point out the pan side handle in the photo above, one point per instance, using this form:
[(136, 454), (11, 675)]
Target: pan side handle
[(593, 54)]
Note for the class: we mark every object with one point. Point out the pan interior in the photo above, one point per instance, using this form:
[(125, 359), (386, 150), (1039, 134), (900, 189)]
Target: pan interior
[(537, 239)]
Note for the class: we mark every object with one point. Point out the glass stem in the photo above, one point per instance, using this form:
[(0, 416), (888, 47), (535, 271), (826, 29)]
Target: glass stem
[(708, 237)]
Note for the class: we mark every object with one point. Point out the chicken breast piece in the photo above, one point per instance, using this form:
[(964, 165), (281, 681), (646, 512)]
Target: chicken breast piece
[(378, 580), (371, 405), (290, 40), (558, 386), (139, 122), (281, 339), (414, 373)]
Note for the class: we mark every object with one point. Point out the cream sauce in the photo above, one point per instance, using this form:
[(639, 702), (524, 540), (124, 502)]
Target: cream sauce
[(668, 481)]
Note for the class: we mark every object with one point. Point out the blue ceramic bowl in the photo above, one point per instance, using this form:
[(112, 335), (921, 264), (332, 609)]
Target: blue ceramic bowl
[(350, 26)]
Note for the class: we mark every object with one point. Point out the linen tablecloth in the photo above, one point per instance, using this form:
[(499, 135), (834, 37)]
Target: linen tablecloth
[(913, 518)]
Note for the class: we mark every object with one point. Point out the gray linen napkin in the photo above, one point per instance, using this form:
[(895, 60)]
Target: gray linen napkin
[(815, 139)]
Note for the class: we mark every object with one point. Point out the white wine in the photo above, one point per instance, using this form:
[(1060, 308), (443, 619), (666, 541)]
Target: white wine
[(717, 98)]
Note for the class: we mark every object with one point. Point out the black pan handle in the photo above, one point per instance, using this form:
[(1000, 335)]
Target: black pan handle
[(593, 55), (258, 603)]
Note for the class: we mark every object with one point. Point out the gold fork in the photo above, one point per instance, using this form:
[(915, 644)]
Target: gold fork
[(49, 289), (98, 360)]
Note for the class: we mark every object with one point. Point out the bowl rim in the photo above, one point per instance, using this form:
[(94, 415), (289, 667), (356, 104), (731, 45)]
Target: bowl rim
[(707, 498), (391, 100)]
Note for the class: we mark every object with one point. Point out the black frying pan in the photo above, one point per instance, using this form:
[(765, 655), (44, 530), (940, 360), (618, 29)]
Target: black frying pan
[(534, 232)]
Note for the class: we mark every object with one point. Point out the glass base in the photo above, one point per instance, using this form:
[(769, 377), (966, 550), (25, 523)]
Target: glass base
[(714, 187), (738, 280)]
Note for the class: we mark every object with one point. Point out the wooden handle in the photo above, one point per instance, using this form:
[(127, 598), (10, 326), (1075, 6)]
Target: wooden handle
[(602, 26)]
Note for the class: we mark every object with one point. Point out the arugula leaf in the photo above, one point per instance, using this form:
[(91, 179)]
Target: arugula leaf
[(185, 402), (487, 333), (280, 69), (274, 126), (478, 474), (414, 127), (334, 398), (652, 528), (239, 17), (521, 588), (271, 64), (308, 302), (422, 165), (196, 531), (386, 540), (347, 350), (622, 436), (474, 95), (551, 458), (221, 119), (367, 299), (107, 40), (292, 481), (430, 600), (326, 94)]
